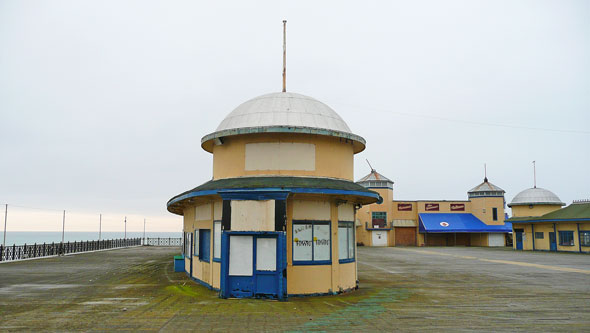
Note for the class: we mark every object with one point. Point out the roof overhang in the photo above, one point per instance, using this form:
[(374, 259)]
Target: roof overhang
[(272, 188), (457, 223), (209, 140)]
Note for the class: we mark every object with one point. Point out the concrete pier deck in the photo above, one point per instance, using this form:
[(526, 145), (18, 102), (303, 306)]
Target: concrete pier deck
[(402, 289)]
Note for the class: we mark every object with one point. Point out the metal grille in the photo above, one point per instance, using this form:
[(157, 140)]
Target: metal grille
[(21, 252), (163, 241)]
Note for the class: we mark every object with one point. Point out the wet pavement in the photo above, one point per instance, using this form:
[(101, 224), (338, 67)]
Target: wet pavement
[(401, 289)]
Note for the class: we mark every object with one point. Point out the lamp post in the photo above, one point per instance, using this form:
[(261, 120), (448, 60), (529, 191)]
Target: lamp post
[(63, 227), (99, 226), (144, 231), (125, 237), (5, 219)]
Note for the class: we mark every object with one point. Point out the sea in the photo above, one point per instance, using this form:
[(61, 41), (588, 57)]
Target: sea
[(40, 237)]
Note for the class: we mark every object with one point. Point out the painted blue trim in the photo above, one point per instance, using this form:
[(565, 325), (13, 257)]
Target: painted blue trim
[(242, 192), (254, 194), (326, 294), (201, 282), (346, 261), (552, 220), (311, 262)]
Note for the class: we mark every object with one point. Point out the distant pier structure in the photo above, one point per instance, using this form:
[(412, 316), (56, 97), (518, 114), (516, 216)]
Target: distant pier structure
[(278, 217)]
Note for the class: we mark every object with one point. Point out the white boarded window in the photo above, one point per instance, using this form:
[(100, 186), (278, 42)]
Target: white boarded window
[(346, 241), (217, 240), (311, 242), (240, 255), (266, 254), (280, 156)]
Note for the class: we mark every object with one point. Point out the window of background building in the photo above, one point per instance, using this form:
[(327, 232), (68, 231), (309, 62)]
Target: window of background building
[(345, 241), (311, 242), (495, 214), (585, 238), (566, 238), (539, 235), (217, 241), (378, 219)]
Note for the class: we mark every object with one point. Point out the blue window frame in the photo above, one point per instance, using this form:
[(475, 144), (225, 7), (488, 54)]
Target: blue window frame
[(312, 243), (495, 214), (585, 238), (346, 241), (566, 238), (204, 245)]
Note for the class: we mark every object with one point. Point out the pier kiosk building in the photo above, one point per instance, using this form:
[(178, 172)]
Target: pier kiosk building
[(277, 218)]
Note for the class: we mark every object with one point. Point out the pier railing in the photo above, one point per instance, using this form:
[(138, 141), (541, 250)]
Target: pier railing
[(163, 241), (21, 252)]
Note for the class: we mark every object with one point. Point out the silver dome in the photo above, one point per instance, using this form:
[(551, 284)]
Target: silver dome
[(283, 112), (536, 196)]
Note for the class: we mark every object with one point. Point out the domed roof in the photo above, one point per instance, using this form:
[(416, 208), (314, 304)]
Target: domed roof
[(485, 189), (535, 196), (283, 112)]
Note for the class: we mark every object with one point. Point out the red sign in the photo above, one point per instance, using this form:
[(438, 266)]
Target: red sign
[(404, 207), (431, 207), (457, 207)]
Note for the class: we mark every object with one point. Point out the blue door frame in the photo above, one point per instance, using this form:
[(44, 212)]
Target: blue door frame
[(518, 238), (262, 284), (552, 241), (192, 254)]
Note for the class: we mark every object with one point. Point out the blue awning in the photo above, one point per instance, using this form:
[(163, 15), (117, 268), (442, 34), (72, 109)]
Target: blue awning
[(457, 222)]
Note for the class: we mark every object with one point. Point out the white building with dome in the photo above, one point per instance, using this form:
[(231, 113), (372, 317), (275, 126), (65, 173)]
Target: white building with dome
[(277, 219)]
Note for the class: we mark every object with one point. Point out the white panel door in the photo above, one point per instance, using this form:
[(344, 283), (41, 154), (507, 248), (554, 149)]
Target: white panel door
[(240, 255), (496, 240), (379, 238)]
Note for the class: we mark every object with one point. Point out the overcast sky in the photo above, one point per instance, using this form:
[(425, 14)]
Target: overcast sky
[(103, 103)]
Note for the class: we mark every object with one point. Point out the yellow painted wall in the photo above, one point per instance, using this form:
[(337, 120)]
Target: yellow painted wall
[(481, 207), (546, 228), (347, 276), (333, 156), (536, 210), (309, 279)]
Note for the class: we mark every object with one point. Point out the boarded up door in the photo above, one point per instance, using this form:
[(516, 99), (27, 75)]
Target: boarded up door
[(405, 236)]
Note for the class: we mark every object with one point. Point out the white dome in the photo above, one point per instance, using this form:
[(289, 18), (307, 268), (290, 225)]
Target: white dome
[(536, 196), (284, 109), (283, 112)]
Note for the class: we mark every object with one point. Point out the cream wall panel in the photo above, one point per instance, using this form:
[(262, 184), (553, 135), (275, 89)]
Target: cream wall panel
[(203, 212), (217, 210), (311, 210), (252, 215), (346, 212), (280, 156)]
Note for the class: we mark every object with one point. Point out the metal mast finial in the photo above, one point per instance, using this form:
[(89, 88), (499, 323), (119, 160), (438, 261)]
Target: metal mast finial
[(284, 55)]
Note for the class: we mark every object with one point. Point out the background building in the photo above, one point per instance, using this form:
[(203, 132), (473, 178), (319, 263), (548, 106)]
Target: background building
[(278, 216), (565, 229), (478, 221)]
